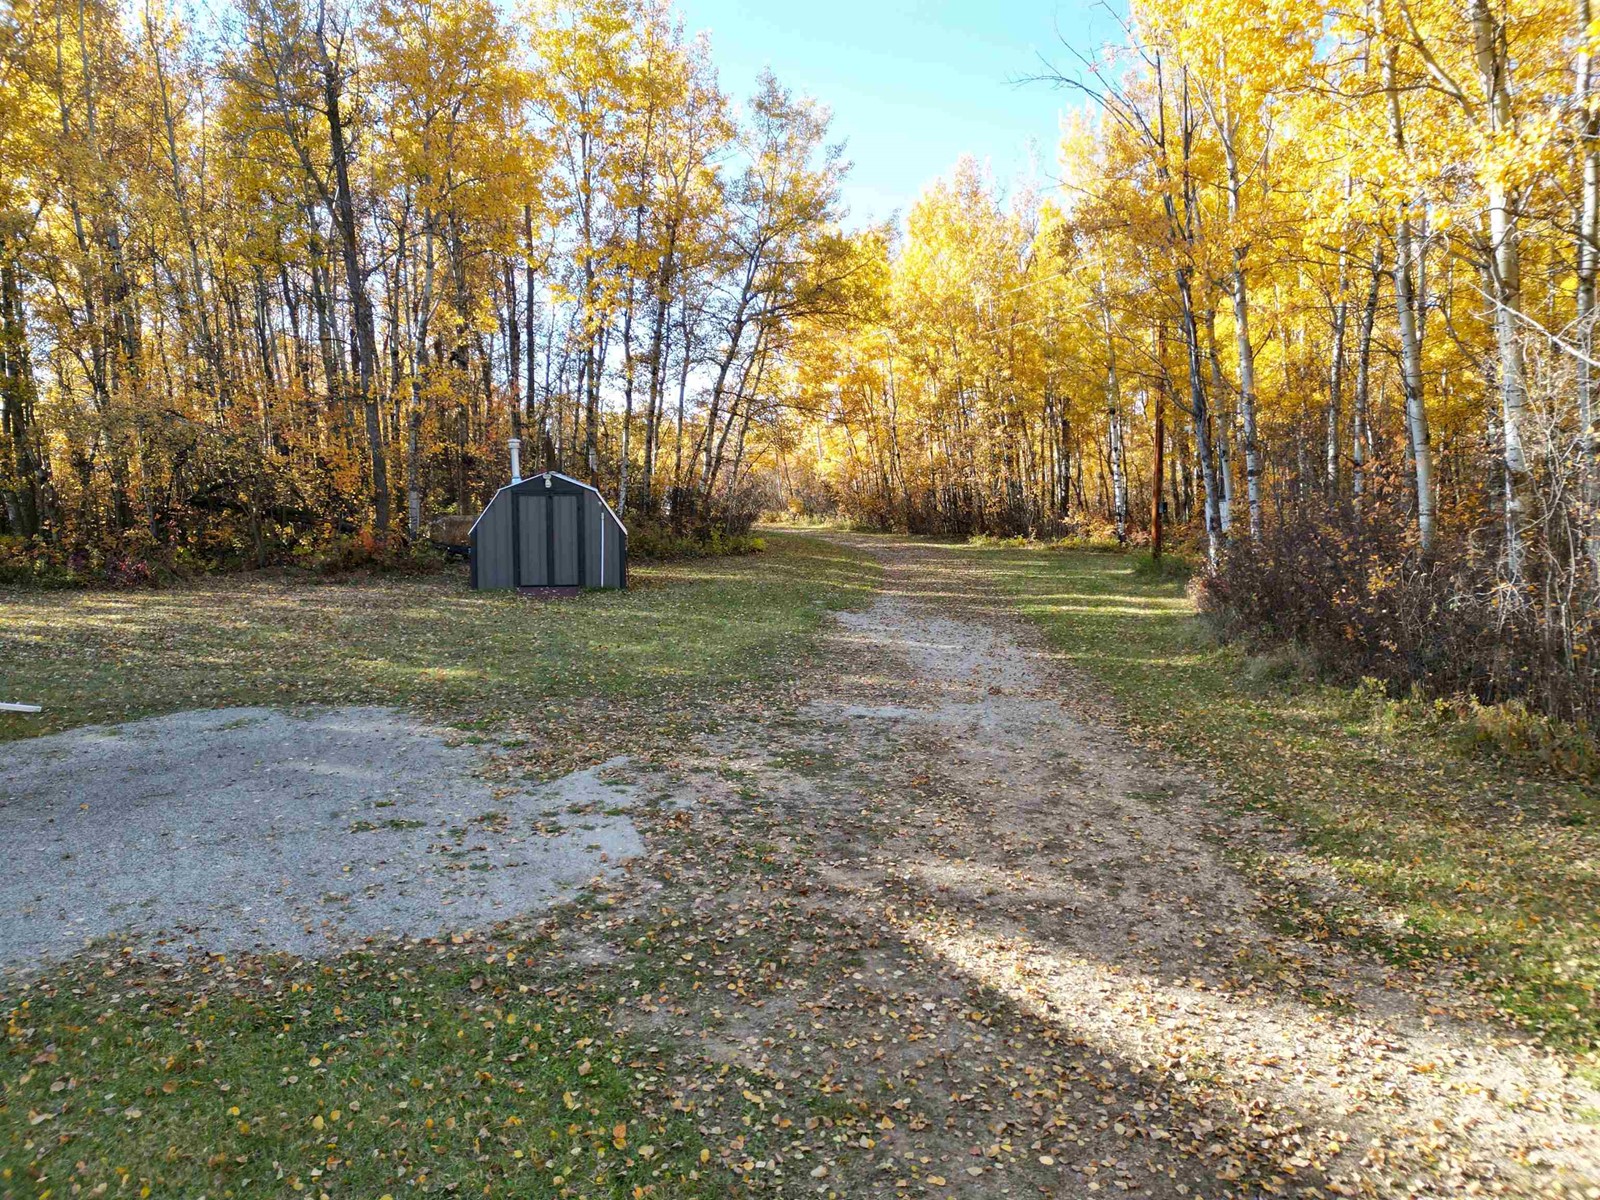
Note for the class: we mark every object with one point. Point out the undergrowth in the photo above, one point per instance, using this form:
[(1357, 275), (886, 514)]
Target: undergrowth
[(1105, 544), (1510, 730), (1364, 601), (657, 541), (132, 562)]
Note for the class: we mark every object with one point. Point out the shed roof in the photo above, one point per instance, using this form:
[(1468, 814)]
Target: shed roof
[(527, 480)]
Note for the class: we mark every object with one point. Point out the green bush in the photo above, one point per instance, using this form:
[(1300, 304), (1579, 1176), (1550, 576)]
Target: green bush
[(28, 564), (654, 541), (1509, 730), (1092, 543), (989, 541), (805, 521), (1512, 730)]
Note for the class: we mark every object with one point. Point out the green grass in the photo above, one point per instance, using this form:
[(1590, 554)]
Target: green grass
[(1495, 871), (684, 633), (370, 1076)]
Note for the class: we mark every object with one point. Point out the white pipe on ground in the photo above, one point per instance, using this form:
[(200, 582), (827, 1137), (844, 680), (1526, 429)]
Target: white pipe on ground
[(516, 459), (19, 708)]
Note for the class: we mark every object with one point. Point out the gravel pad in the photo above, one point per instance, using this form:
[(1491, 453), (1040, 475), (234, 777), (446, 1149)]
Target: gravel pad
[(252, 828)]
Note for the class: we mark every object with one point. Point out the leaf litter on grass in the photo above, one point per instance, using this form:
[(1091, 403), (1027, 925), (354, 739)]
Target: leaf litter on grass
[(962, 941), (999, 947)]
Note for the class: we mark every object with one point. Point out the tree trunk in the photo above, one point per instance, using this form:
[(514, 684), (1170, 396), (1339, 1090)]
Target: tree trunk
[(27, 489), (660, 336), (344, 216), (1156, 515), (1224, 447), (1588, 258), (1114, 441), (1341, 314), (1410, 338), (628, 366), (1505, 272), (1222, 119), (1361, 418), (513, 349)]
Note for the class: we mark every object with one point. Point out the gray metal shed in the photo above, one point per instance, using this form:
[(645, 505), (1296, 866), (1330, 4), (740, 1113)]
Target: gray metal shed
[(549, 531)]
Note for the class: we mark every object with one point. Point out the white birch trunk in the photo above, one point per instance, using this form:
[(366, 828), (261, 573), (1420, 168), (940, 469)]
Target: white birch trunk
[(1588, 260), (1410, 340), (1505, 271)]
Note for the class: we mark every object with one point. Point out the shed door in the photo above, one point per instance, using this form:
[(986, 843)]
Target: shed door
[(533, 541), (566, 531)]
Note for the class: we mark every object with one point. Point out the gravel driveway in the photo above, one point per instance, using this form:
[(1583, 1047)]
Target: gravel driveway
[(252, 828)]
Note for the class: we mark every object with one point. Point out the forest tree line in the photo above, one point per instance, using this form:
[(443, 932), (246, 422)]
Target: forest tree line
[(1315, 290), (1313, 294), (297, 269), (1338, 251)]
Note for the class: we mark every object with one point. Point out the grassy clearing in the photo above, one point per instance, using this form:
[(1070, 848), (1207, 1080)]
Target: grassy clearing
[(447, 1069), (1493, 869), (458, 1069), (683, 633)]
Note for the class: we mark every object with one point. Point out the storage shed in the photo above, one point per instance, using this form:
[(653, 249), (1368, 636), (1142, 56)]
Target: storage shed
[(549, 531)]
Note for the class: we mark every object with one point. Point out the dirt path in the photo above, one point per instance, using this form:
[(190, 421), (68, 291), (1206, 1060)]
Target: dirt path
[(955, 936)]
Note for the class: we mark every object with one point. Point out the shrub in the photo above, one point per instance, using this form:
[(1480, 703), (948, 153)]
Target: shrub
[(1367, 607), (451, 530), (1091, 542), (657, 541), (135, 561), (1168, 566), (363, 552), (688, 526), (127, 562), (1097, 543), (995, 541), (791, 519), (1513, 730), (27, 564)]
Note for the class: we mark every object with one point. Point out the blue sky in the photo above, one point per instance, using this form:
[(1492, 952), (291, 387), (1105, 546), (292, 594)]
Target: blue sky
[(913, 84)]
